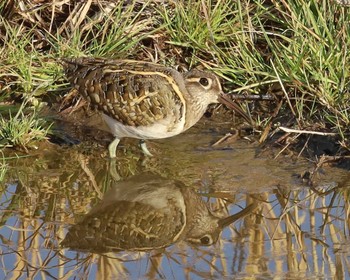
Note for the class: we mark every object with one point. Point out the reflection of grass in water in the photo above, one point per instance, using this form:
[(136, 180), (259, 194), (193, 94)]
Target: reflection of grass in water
[(3, 168), (56, 191), (288, 220)]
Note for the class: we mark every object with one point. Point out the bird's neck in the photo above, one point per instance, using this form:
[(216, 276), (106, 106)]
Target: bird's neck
[(194, 111)]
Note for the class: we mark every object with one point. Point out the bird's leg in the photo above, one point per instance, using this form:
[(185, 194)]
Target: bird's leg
[(144, 148), (112, 148), (113, 170)]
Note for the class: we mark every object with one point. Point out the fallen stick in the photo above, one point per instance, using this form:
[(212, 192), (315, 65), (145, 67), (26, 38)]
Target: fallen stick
[(290, 130), (266, 97)]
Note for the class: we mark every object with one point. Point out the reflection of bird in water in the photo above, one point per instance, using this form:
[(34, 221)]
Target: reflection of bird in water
[(145, 100), (147, 212)]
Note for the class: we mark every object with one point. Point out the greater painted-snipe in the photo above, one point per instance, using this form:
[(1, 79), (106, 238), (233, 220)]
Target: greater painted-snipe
[(145, 100)]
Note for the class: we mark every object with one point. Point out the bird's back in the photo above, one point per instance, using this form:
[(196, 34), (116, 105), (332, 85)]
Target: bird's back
[(133, 93)]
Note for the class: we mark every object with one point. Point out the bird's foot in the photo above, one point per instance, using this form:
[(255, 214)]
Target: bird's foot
[(144, 148), (113, 170), (112, 148)]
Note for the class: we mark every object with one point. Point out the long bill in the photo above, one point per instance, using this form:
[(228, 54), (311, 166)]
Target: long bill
[(231, 219), (224, 99)]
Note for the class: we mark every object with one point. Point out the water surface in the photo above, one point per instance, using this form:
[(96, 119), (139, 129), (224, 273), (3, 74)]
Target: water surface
[(57, 222)]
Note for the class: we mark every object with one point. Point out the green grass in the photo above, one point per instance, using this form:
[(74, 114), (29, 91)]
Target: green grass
[(26, 71), (312, 62), (23, 130), (298, 51), (200, 26)]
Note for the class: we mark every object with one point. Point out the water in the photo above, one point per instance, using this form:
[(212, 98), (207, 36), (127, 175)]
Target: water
[(294, 229)]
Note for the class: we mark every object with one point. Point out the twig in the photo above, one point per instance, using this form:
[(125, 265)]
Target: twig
[(250, 86), (290, 130), (228, 136), (267, 97)]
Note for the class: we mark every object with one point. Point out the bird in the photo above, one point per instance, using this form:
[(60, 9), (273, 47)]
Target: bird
[(147, 212), (145, 100)]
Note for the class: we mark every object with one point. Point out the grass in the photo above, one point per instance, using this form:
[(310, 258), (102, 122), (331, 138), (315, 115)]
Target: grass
[(297, 51), (313, 64), (189, 28), (22, 131)]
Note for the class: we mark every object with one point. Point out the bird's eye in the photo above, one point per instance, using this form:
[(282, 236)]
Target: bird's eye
[(205, 240), (204, 81)]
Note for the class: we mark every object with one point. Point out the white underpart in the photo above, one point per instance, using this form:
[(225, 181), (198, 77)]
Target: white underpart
[(165, 128)]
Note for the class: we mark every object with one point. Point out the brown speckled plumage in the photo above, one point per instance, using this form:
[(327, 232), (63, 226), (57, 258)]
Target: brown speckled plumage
[(147, 212), (134, 94)]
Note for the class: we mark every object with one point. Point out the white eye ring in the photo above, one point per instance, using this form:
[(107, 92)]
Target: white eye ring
[(205, 82)]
